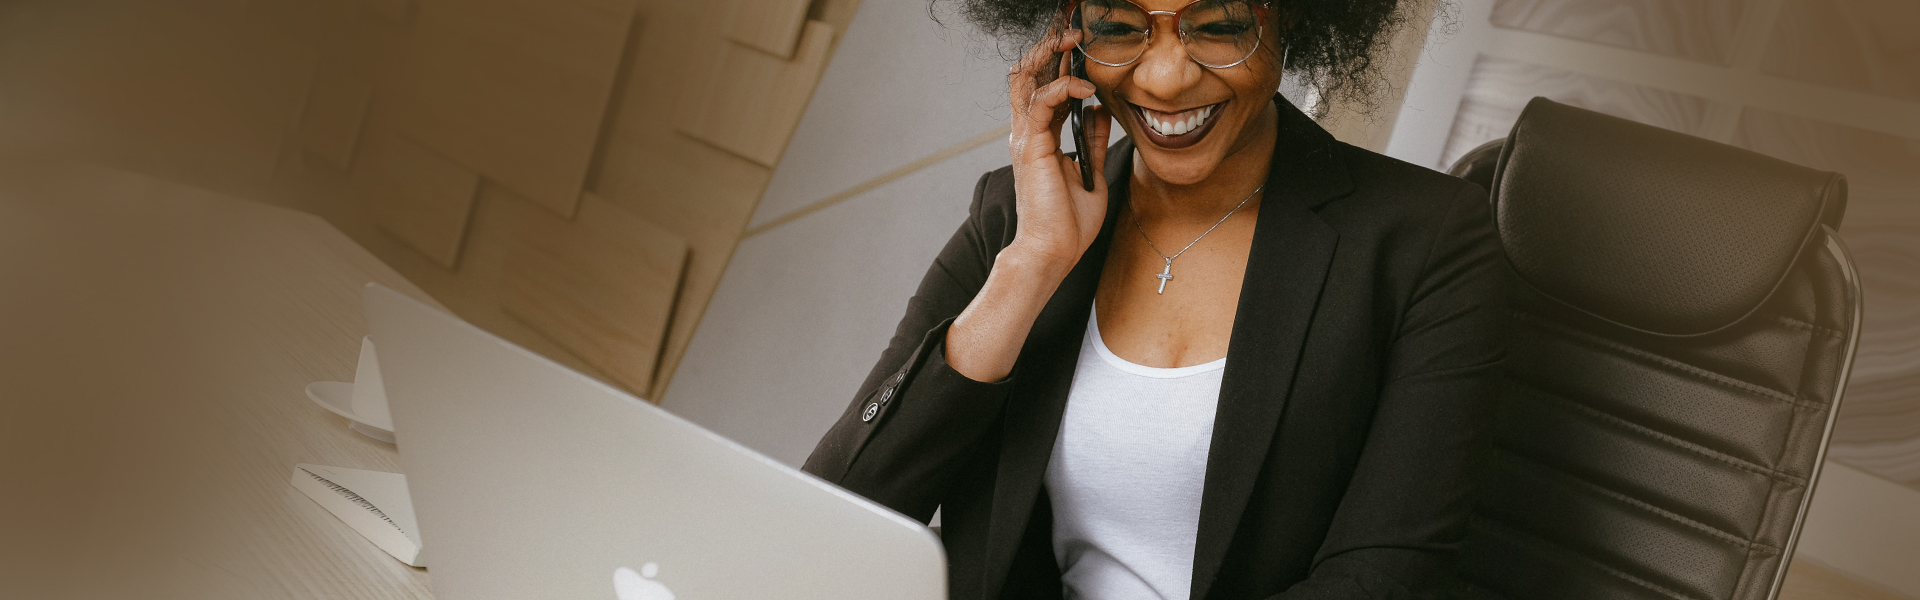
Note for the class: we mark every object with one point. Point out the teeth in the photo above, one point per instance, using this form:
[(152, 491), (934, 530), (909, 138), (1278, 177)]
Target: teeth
[(1172, 128)]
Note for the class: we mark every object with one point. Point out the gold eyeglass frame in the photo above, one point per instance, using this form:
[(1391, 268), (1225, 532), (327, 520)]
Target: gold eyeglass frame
[(1153, 24)]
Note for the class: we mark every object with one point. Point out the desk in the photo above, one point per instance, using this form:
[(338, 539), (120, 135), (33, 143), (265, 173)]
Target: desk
[(155, 341)]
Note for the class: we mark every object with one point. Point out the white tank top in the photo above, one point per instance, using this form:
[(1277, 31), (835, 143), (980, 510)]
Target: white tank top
[(1126, 474)]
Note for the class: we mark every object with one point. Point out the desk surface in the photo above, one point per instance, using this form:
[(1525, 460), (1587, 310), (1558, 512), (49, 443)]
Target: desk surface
[(155, 345)]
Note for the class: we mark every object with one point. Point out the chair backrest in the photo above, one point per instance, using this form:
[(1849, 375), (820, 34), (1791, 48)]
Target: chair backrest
[(1477, 165), (1684, 321)]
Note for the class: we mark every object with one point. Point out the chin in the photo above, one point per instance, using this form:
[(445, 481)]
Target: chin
[(1185, 169), (1185, 166)]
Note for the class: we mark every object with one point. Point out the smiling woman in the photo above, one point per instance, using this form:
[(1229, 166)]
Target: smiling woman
[(1247, 361)]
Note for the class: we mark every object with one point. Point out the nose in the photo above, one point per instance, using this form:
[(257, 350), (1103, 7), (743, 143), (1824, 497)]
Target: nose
[(1164, 71)]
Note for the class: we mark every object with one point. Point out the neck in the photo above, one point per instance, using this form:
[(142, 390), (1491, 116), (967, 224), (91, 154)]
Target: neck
[(1242, 171)]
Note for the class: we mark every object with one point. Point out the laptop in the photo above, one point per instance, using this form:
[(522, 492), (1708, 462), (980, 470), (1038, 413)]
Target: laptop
[(531, 480)]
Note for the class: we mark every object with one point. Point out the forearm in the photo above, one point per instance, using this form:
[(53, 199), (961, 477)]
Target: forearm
[(985, 340)]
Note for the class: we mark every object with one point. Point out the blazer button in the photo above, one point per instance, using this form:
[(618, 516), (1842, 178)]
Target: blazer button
[(872, 410), (885, 395)]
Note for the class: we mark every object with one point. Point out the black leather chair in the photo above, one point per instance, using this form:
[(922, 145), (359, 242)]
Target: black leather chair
[(1685, 318)]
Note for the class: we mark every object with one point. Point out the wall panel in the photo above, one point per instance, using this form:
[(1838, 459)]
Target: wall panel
[(754, 100), (771, 26), (1700, 30), (417, 195), (602, 286), (1866, 45), (1500, 88), (515, 89), (336, 104)]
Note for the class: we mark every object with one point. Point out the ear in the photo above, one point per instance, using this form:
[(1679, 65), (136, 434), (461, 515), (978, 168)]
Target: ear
[(1281, 18)]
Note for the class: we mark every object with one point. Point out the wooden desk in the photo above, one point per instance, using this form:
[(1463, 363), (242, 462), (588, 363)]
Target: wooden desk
[(155, 341)]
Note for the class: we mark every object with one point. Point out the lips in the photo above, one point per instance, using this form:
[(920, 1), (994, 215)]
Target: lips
[(1178, 130)]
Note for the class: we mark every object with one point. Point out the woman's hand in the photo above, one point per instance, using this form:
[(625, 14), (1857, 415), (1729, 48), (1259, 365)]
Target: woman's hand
[(1058, 217)]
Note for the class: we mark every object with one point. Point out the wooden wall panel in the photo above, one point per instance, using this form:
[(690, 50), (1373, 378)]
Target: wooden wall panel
[(418, 196), (336, 103), (1883, 170), (1807, 580), (392, 10), (754, 100), (197, 95), (1700, 30), (515, 89), (1500, 88), (1866, 45), (602, 286), (674, 180), (771, 26)]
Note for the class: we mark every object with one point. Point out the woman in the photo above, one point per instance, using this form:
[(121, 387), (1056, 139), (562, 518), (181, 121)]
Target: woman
[(1251, 362)]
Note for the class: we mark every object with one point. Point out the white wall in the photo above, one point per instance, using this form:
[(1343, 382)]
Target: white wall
[(908, 115)]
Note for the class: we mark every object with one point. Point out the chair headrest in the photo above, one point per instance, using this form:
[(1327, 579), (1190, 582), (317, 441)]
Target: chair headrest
[(1477, 165), (1650, 229)]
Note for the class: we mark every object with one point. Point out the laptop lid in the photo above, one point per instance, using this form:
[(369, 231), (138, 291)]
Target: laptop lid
[(531, 480)]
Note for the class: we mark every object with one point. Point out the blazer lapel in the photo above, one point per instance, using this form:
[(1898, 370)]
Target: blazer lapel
[(1292, 250), (1286, 269), (1044, 374)]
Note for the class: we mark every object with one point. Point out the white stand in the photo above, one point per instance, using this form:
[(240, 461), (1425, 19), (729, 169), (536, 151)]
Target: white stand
[(373, 503)]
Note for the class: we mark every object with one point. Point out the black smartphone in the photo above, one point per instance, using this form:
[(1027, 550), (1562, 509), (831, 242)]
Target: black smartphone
[(1077, 62)]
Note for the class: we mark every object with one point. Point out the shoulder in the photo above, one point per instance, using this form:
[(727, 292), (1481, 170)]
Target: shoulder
[(1405, 223), (1384, 182), (1399, 201)]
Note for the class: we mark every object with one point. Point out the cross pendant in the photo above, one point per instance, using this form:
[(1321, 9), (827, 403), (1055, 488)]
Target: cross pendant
[(1165, 275)]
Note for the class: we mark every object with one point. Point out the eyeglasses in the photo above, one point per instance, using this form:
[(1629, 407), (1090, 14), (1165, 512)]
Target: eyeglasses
[(1216, 33)]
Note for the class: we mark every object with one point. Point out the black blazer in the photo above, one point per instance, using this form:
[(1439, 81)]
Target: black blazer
[(1363, 360)]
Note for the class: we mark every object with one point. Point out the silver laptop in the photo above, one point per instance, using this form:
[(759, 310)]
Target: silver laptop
[(531, 480)]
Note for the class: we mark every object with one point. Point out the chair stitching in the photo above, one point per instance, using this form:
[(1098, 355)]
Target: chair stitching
[(1820, 329), (1511, 531), (1743, 543), (1631, 352), (1665, 437), (1766, 519), (1703, 375)]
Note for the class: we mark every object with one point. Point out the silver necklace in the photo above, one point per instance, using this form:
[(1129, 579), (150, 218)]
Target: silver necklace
[(1166, 273)]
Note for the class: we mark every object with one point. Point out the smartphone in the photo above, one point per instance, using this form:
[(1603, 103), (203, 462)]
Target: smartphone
[(1081, 115)]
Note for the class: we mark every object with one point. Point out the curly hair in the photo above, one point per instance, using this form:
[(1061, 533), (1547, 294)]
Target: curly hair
[(1331, 44)]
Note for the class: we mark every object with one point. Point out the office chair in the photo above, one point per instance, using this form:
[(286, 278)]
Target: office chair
[(1684, 321)]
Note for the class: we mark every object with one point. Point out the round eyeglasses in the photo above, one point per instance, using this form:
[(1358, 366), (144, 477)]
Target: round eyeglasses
[(1216, 33)]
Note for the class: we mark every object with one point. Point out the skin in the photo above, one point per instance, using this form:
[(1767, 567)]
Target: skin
[(1176, 195)]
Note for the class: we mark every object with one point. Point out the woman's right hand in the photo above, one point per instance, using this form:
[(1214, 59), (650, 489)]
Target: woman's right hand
[(1058, 217)]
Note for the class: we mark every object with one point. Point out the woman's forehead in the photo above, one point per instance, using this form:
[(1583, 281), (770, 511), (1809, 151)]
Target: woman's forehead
[(1154, 5)]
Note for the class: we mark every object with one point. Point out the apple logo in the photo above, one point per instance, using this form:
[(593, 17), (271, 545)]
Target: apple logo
[(628, 585)]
